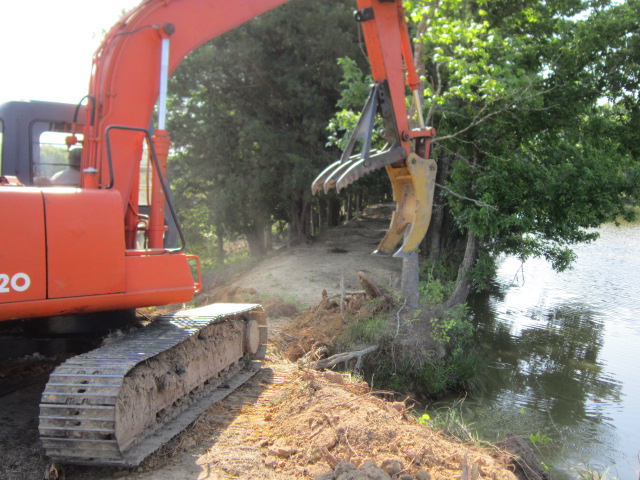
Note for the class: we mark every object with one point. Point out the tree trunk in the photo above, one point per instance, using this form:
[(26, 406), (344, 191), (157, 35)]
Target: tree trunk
[(268, 237), (333, 212), (463, 283), (220, 248), (255, 239), (300, 218), (410, 281), (219, 244)]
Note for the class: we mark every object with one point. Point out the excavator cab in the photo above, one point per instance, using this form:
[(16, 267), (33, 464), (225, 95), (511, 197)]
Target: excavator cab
[(33, 149)]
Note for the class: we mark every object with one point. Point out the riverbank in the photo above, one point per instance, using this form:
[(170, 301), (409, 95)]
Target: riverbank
[(564, 357)]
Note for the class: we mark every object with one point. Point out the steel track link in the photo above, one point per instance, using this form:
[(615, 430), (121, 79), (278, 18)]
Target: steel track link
[(117, 404)]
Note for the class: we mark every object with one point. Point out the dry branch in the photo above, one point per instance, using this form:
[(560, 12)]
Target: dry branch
[(344, 358)]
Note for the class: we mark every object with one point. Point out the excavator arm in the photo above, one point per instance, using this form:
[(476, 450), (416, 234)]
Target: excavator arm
[(85, 262), (405, 155)]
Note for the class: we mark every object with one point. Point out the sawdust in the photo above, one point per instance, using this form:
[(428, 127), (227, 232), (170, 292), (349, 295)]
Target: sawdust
[(291, 423), (327, 419)]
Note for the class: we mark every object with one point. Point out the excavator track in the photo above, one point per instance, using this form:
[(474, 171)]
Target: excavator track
[(115, 405)]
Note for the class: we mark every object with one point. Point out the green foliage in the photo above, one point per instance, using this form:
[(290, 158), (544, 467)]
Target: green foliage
[(483, 271), (435, 377), (450, 420), (355, 90), (515, 91), (248, 115), (461, 370), (539, 439), (436, 282), (435, 291), (396, 369), (424, 419), (543, 167), (453, 326), (587, 472)]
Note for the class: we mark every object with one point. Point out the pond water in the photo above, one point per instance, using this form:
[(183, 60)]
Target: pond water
[(565, 357)]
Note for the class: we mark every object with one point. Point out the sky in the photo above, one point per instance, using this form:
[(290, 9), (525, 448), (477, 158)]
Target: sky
[(46, 46)]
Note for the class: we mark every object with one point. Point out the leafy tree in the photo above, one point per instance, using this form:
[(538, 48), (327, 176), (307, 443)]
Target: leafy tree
[(530, 158), (249, 118), (530, 161)]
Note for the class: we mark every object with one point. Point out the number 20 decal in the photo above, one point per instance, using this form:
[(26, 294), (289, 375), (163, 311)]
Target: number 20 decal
[(17, 283)]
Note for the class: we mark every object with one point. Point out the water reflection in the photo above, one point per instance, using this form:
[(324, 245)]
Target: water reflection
[(554, 361), (563, 356)]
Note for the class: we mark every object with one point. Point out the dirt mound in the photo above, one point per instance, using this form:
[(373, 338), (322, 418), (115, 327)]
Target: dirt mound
[(326, 420), (274, 306), (318, 328)]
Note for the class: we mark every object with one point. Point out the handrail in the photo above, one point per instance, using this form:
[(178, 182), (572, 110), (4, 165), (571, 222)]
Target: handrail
[(156, 164)]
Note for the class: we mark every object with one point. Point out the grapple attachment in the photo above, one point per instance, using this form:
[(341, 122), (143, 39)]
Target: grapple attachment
[(413, 188), (412, 177), (352, 166)]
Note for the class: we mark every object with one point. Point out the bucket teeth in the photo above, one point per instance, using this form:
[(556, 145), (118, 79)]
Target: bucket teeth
[(413, 190), (327, 178)]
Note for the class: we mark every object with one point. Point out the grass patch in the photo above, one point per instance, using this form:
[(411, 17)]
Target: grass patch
[(449, 419), (367, 331)]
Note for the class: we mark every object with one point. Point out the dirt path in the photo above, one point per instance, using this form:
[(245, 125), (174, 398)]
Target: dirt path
[(225, 442), (300, 274), (288, 423)]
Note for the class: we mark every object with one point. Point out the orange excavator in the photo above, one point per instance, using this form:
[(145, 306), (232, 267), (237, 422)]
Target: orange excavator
[(101, 236)]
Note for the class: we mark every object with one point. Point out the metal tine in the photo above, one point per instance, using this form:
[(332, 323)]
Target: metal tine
[(363, 131), (367, 165), (364, 128), (318, 183), (331, 180)]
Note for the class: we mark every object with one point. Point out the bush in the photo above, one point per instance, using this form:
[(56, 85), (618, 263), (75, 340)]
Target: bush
[(400, 370)]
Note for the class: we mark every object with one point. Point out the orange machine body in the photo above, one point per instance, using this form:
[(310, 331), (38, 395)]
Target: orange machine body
[(69, 257)]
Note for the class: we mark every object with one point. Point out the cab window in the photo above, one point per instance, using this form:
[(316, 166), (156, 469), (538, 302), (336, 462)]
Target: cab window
[(52, 163)]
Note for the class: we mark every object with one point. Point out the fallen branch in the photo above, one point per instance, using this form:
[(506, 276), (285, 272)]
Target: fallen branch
[(343, 358), (315, 352), (348, 294)]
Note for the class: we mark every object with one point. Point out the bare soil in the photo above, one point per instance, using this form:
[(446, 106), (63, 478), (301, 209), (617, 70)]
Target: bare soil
[(288, 421)]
